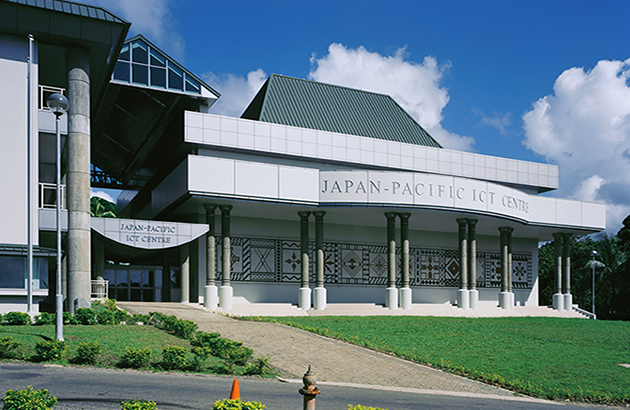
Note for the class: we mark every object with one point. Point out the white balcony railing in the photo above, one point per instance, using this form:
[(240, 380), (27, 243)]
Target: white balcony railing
[(44, 92), (48, 196), (100, 289)]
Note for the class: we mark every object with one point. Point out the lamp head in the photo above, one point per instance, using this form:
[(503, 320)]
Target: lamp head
[(58, 104), (593, 253)]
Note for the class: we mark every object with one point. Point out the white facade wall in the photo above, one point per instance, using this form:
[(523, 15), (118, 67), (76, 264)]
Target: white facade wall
[(13, 139)]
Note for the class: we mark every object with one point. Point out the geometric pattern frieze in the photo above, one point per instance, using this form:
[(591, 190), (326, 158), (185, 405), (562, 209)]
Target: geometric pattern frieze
[(278, 260)]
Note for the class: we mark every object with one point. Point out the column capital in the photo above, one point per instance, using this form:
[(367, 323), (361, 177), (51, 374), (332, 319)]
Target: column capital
[(225, 208), (319, 214), (472, 222), (304, 214), (566, 235), (404, 215), (461, 221), (389, 215), (557, 236), (506, 230), (210, 207)]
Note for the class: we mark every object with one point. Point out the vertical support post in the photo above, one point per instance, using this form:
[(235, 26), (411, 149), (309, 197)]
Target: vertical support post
[(30, 177), (504, 296), (210, 290), (226, 293), (510, 271), (78, 178), (304, 293), (463, 298), (184, 255), (558, 298), (406, 296), (391, 295), (319, 293), (473, 293), (566, 259)]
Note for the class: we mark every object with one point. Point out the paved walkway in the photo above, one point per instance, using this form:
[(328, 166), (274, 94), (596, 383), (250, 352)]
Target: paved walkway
[(292, 350)]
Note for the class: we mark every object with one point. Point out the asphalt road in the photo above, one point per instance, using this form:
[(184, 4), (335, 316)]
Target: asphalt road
[(92, 388)]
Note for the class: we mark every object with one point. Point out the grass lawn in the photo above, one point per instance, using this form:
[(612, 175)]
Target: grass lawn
[(552, 358), (113, 339)]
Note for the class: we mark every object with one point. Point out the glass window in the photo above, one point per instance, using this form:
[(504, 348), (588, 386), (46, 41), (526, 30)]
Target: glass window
[(121, 72), (124, 53), (13, 272), (158, 278), (135, 278), (158, 77), (40, 273), (145, 278), (140, 74), (140, 52), (157, 59), (121, 278), (193, 85), (175, 78), (135, 295)]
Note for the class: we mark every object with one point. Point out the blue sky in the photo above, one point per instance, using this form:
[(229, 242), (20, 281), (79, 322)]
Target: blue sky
[(543, 81)]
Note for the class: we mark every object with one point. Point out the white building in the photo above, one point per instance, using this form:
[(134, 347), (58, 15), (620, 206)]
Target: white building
[(318, 194)]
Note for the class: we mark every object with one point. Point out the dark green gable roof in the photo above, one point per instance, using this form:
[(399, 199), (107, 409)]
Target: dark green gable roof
[(309, 104)]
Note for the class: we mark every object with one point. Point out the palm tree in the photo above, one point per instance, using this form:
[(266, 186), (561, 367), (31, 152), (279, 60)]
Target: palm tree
[(102, 208)]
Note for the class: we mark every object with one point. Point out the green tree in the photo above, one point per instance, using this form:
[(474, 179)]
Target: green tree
[(102, 208)]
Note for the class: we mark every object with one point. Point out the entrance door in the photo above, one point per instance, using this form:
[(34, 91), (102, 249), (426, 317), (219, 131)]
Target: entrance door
[(135, 283)]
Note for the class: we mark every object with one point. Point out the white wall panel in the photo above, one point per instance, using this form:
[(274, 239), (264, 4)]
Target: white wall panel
[(258, 180)]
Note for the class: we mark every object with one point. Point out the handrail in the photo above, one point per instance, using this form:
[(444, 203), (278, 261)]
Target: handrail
[(44, 92), (48, 197)]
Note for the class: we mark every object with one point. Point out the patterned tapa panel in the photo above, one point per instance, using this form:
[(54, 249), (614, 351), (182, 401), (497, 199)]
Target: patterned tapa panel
[(277, 260)]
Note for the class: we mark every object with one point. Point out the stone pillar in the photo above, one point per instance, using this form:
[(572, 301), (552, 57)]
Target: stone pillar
[(304, 293), (473, 293), (463, 300), (558, 298), (184, 256), (210, 290), (319, 293), (391, 295), (510, 272), (405, 291), (566, 270), (78, 178), (226, 293), (504, 296)]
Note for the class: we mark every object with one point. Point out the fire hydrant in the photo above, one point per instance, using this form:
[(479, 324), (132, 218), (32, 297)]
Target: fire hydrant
[(309, 391)]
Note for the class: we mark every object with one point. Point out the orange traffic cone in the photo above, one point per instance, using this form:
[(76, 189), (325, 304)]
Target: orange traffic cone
[(235, 394)]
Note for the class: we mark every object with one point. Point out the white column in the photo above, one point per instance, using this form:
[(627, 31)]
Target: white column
[(463, 300), (558, 298), (304, 293), (566, 268), (391, 293), (473, 293), (185, 272), (406, 296)]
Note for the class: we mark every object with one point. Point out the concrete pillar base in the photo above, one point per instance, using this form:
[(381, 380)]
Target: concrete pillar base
[(391, 298), (512, 302), (463, 299), (405, 298), (226, 296), (558, 301), (319, 298), (568, 301), (504, 300), (473, 296), (304, 298), (211, 297)]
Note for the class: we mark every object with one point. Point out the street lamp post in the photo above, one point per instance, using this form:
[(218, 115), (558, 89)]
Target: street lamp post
[(59, 105), (593, 255)]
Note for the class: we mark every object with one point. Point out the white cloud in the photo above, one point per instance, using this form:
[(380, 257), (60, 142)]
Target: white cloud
[(415, 86), (151, 18), (236, 91), (584, 127), (105, 195), (500, 122)]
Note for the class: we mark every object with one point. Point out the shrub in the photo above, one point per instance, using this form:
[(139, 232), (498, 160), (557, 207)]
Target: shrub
[(135, 358), (122, 316), (174, 357), (360, 407), (138, 405), (47, 350), (184, 328), (235, 404), (200, 358), (9, 348), (68, 319), (85, 316), (45, 318), (29, 399), (260, 367), (205, 339), (111, 305), (105, 317), (87, 352), (17, 318)]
